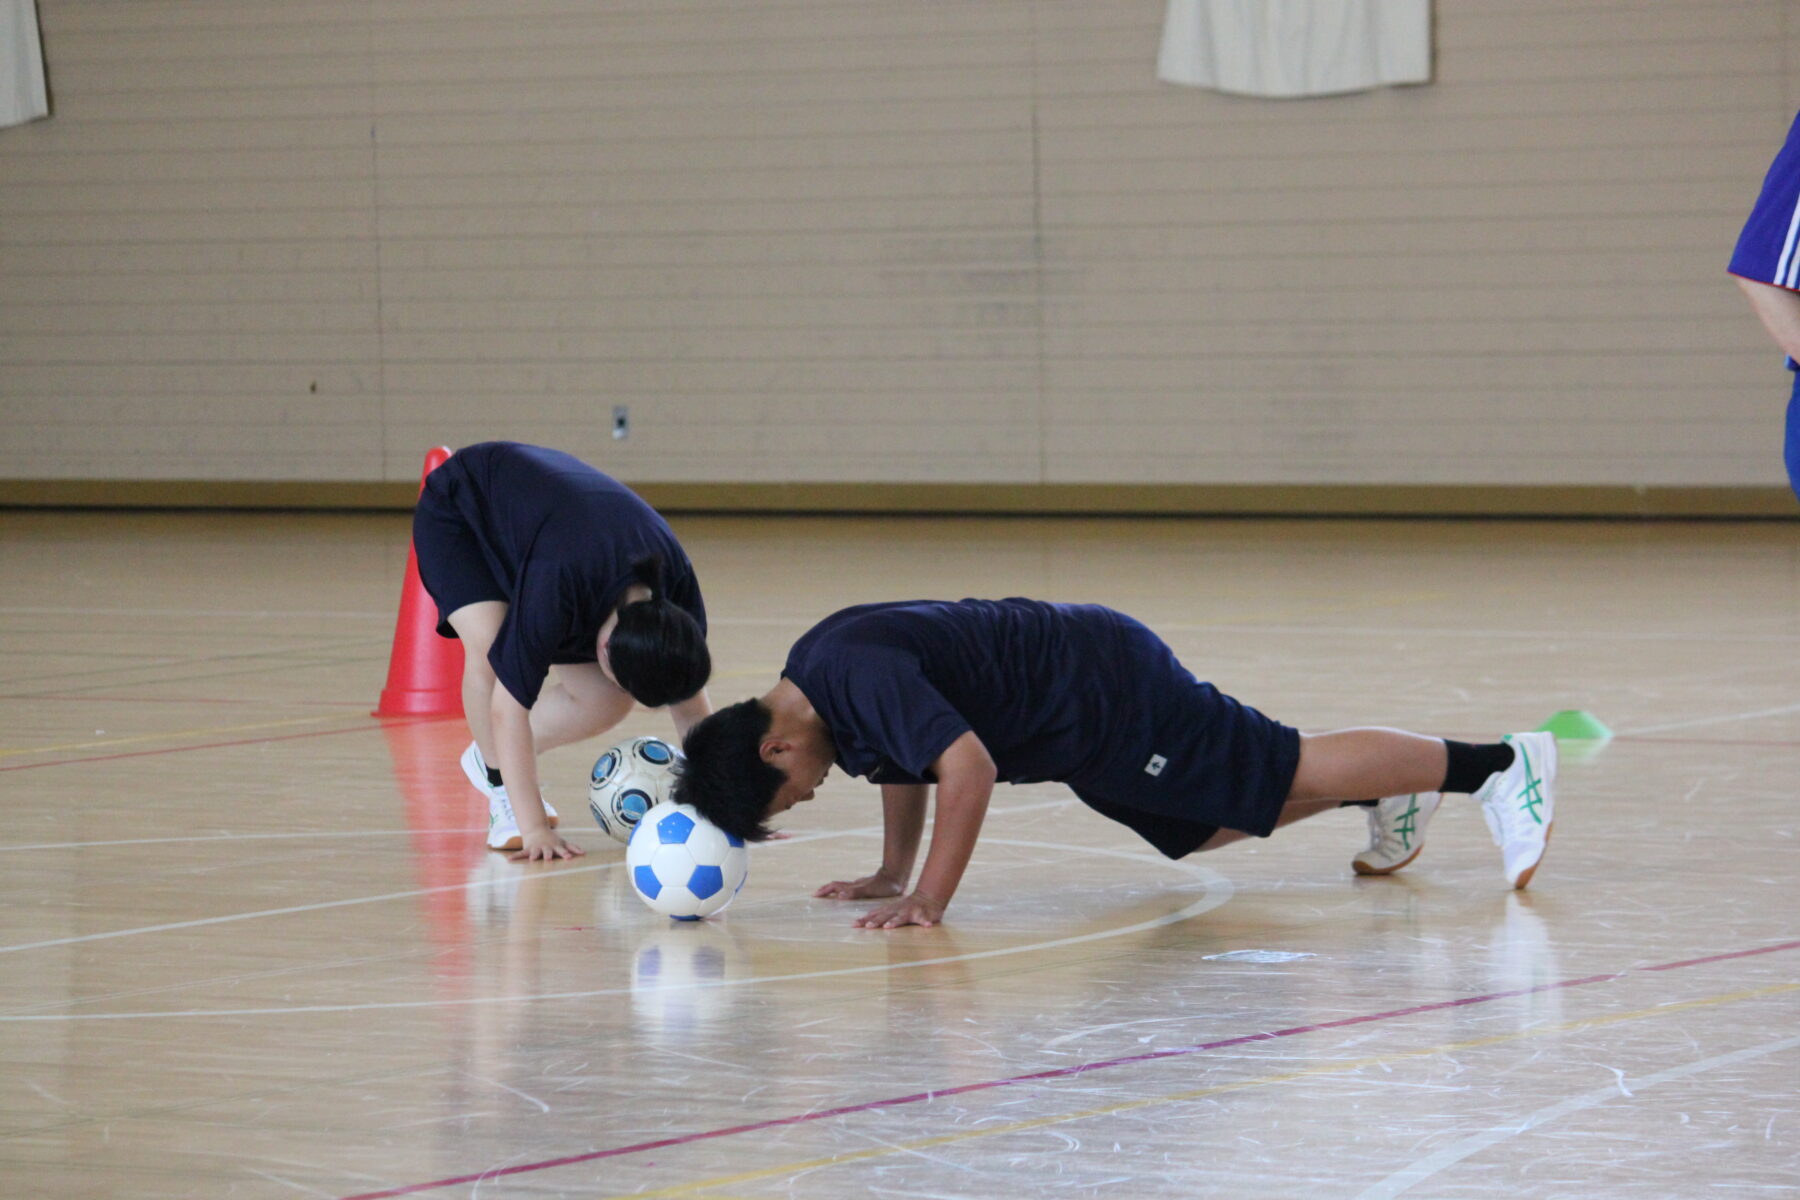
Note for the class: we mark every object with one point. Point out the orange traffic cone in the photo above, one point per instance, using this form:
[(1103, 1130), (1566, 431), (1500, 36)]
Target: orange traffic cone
[(425, 671)]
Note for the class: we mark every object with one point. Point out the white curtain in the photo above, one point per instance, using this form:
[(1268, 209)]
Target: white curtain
[(22, 96), (1296, 47)]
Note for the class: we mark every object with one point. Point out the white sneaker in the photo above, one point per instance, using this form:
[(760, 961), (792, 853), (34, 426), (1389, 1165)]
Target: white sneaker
[(1396, 832), (503, 826), (1519, 805)]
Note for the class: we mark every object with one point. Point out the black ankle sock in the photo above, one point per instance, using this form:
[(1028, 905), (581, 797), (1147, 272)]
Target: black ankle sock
[(1470, 766), (494, 777), (1358, 803)]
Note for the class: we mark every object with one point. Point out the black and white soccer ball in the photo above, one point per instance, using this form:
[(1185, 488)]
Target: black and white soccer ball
[(628, 781)]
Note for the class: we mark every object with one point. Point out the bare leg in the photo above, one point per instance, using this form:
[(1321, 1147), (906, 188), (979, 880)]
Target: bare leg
[(1365, 764), (1354, 764), (577, 703), (1293, 810), (477, 624)]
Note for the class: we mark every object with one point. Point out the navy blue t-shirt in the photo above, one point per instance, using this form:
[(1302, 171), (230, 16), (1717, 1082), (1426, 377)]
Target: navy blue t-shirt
[(560, 538), (1040, 684), (1071, 693)]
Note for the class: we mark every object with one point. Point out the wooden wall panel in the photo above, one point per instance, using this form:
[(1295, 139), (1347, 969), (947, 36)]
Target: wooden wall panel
[(848, 242)]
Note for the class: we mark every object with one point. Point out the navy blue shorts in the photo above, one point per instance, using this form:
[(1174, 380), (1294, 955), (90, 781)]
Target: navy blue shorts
[(1204, 762), (452, 564)]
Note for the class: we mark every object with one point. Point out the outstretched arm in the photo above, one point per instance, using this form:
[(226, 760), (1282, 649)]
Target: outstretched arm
[(965, 774), (513, 743), (903, 819)]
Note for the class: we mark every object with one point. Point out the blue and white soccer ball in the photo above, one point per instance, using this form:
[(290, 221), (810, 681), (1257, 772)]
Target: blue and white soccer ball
[(683, 865), (628, 781)]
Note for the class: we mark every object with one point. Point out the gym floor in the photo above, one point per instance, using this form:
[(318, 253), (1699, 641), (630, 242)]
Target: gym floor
[(251, 944)]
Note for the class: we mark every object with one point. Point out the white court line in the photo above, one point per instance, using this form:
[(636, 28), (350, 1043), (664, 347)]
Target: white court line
[(1721, 720), (289, 613), (449, 887), (1549, 635), (242, 837), (201, 922), (270, 613), (1431, 1164), (1555, 635), (310, 1191), (1219, 889)]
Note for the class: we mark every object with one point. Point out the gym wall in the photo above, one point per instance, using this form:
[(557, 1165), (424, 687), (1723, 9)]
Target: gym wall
[(829, 251)]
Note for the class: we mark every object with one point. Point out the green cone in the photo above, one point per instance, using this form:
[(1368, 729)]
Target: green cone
[(1576, 725)]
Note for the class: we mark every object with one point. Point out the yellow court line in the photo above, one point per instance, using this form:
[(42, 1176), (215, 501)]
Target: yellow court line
[(1337, 1068), (174, 733)]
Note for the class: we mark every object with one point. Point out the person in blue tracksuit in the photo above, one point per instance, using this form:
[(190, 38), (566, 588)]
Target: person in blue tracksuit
[(1766, 263)]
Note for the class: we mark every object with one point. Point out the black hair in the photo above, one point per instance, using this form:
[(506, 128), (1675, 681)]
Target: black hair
[(657, 651), (725, 776)]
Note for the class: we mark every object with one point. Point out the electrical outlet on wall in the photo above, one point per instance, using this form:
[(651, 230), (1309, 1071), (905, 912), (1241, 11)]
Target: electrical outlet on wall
[(621, 422)]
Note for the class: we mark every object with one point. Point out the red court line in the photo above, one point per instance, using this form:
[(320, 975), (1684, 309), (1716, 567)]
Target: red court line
[(1035, 1077), (1694, 962), (286, 737)]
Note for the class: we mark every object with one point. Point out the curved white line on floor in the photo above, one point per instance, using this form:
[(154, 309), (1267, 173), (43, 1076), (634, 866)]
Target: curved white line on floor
[(1218, 890), (449, 887), (1431, 1164)]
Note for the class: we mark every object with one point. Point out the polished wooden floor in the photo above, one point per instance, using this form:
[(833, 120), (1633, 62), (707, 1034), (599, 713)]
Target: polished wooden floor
[(251, 945)]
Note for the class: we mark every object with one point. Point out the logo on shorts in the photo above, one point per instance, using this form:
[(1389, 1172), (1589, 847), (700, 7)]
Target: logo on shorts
[(1155, 765)]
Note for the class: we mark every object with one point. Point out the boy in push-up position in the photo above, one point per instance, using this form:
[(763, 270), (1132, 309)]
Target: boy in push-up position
[(970, 693)]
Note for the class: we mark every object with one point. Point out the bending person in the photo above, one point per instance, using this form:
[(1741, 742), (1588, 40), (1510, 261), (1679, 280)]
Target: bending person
[(969, 693), (569, 593)]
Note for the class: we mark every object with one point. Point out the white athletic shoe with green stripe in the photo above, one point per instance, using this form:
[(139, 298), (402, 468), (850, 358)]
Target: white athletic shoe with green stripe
[(1396, 832), (503, 826), (1519, 804)]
